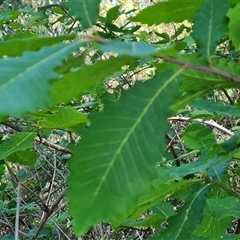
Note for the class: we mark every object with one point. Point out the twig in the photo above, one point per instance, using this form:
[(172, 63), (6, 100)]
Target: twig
[(18, 206), (53, 177), (208, 122), (13, 126), (52, 145), (222, 186), (228, 97), (202, 68), (15, 179), (48, 214), (170, 146), (70, 29)]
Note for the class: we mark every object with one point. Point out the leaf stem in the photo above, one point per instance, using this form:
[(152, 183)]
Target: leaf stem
[(222, 186), (202, 68)]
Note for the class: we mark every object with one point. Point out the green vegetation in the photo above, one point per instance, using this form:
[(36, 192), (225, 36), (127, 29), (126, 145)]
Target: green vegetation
[(119, 121)]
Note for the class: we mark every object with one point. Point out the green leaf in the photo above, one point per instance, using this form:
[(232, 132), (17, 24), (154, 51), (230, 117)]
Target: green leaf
[(158, 194), (113, 14), (217, 107), (25, 81), (189, 216), (196, 84), (198, 137), (150, 221), (65, 118), (17, 142), (2, 170), (210, 25), (234, 31), (231, 236), (11, 47), (135, 49), (224, 207), (8, 237), (7, 15), (27, 157), (85, 11), (114, 156), (211, 228), (159, 13), (86, 78), (164, 209)]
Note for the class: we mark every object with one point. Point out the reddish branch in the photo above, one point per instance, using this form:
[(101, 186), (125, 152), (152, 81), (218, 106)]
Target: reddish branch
[(202, 68)]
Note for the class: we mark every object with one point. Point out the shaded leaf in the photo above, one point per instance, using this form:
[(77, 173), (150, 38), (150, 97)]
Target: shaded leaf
[(196, 84), (210, 24), (25, 81), (73, 85), (110, 156), (11, 47), (150, 221), (85, 11), (135, 49), (221, 208), (2, 170), (211, 228), (27, 157), (158, 194), (189, 215), (164, 209), (198, 137), (17, 142), (217, 107)]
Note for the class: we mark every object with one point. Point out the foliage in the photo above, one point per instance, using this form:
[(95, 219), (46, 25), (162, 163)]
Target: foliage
[(138, 116)]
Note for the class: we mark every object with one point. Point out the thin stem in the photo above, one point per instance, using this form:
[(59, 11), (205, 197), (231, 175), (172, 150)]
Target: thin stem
[(228, 97), (202, 68), (210, 123), (222, 186)]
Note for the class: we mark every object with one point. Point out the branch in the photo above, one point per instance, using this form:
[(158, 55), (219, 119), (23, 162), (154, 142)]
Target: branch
[(52, 145), (222, 186), (210, 123), (202, 68), (48, 214)]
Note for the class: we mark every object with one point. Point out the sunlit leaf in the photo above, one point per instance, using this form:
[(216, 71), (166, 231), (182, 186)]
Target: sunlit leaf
[(65, 118)]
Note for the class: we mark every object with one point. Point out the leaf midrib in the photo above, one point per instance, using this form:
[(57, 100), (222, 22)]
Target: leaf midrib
[(124, 141)]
